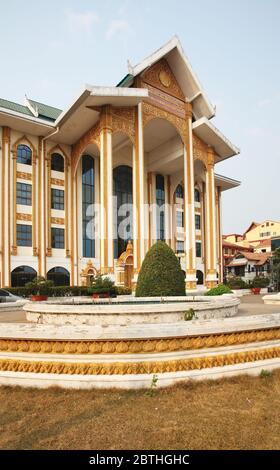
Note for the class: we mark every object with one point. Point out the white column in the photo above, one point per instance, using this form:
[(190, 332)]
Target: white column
[(189, 214), (211, 233), (106, 193), (6, 212)]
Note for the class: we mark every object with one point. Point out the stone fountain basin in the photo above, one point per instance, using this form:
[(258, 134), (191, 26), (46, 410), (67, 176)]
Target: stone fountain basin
[(122, 312)]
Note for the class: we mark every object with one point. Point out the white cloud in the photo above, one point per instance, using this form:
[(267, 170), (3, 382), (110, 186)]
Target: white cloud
[(117, 27), (264, 102), (78, 21)]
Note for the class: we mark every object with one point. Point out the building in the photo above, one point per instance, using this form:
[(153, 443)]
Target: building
[(230, 250), (148, 141), (258, 236), (249, 265), (275, 243)]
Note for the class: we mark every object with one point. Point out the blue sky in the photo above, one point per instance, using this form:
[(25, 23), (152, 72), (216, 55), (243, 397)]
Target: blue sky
[(49, 50)]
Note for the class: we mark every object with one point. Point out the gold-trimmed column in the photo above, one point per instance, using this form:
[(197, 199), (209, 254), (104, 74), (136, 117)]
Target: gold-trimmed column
[(49, 207), (189, 217), (35, 192), (42, 208), (14, 203), (106, 192), (6, 213), (66, 206), (219, 234), (211, 258), (139, 230)]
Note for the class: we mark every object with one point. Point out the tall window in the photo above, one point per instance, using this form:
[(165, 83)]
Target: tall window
[(180, 246), (197, 222), (196, 195), (24, 235), (179, 219), (160, 200), (122, 179), (87, 201), (24, 154), (57, 162), (24, 194), (57, 238), (179, 193), (58, 199), (198, 249)]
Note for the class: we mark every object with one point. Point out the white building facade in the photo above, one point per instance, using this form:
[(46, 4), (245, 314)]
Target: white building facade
[(148, 142)]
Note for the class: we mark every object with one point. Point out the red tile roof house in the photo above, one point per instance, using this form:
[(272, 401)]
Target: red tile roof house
[(248, 265)]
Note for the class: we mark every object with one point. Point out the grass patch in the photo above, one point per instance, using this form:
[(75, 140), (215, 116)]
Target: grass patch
[(237, 413)]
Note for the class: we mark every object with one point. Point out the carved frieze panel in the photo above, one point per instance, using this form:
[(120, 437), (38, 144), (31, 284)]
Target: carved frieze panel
[(151, 112), (123, 120), (90, 137), (161, 76)]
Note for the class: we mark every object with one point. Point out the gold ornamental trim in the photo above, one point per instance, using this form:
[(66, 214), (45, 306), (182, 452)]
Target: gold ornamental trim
[(57, 182), (57, 220), (24, 176), (25, 217), (147, 367), (139, 346)]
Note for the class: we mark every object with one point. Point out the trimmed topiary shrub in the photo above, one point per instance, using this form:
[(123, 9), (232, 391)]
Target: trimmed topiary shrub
[(219, 290), (161, 273)]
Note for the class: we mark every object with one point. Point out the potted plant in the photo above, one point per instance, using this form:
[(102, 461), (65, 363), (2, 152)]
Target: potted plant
[(39, 289), (102, 288), (258, 283)]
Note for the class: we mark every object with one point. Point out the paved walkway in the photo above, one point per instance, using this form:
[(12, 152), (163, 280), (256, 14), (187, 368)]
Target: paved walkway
[(250, 305)]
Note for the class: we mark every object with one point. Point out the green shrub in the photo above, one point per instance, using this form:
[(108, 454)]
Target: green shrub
[(39, 286), (261, 282), (102, 285), (55, 291), (161, 273), (219, 290), (237, 283), (122, 290)]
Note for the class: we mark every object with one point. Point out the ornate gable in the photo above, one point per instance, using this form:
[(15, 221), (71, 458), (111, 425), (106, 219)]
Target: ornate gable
[(161, 76)]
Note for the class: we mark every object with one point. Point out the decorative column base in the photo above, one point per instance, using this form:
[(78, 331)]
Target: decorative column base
[(190, 281), (211, 279)]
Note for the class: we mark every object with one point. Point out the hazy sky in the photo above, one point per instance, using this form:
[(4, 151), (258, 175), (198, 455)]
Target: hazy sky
[(50, 49)]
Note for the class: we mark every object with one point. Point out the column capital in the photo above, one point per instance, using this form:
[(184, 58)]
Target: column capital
[(6, 134), (210, 157), (106, 123), (188, 110)]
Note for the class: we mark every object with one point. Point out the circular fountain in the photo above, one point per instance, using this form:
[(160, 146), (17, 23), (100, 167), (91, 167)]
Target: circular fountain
[(106, 312)]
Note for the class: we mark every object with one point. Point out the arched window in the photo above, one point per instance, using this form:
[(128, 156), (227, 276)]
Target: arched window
[(24, 154), (60, 276), (21, 275), (179, 192), (122, 181), (200, 278), (57, 162), (87, 201), (160, 200), (196, 195)]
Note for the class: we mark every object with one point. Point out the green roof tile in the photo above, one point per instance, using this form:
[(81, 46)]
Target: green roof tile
[(19, 108), (46, 111)]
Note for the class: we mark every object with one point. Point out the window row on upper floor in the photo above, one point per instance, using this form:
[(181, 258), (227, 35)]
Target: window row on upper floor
[(24, 156)]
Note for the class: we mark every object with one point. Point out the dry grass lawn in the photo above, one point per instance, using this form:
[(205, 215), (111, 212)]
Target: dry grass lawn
[(237, 413)]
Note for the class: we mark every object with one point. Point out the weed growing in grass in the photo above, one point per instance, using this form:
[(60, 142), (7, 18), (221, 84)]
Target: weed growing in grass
[(265, 373), (153, 386)]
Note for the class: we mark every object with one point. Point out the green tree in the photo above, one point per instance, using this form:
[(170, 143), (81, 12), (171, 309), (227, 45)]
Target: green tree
[(275, 273), (161, 273)]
